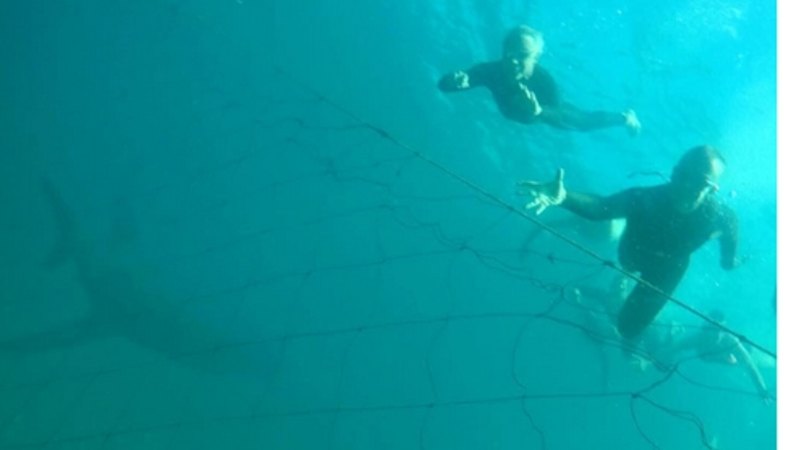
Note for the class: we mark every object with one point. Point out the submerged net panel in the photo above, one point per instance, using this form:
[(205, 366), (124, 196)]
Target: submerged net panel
[(301, 279)]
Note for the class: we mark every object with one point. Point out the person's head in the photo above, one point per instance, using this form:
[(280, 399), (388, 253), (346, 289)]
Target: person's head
[(522, 48), (695, 177)]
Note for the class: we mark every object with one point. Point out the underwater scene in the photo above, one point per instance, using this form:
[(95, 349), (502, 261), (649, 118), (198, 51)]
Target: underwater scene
[(360, 225)]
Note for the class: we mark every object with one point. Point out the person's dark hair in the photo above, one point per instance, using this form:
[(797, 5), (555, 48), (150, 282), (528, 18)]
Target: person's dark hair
[(696, 162)]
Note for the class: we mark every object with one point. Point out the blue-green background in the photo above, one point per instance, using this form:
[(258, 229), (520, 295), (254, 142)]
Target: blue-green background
[(169, 116)]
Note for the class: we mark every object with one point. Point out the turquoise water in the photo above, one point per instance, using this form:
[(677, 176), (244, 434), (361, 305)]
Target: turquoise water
[(238, 224)]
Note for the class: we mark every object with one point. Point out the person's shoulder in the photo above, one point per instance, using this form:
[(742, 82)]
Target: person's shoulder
[(486, 67), (485, 72), (542, 76), (632, 199), (649, 200), (647, 191)]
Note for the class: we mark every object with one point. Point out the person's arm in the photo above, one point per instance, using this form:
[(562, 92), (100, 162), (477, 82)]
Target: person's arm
[(465, 79), (595, 207), (553, 111), (588, 206), (569, 117), (741, 354), (545, 87)]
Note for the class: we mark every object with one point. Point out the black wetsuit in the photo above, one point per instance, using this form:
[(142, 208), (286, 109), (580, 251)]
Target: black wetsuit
[(658, 242), (514, 103)]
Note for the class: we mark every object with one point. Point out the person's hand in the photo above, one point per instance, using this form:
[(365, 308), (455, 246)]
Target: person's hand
[(531, 97), (632, 122), (461, 79), (545, 194)]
